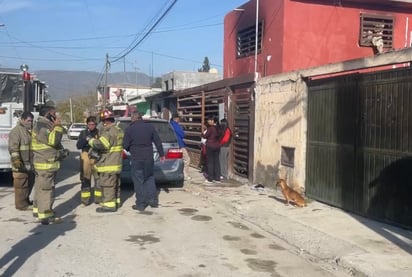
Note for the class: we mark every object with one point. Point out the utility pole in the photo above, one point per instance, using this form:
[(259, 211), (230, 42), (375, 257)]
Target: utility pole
[(105, 81), (136, 69), (256, 38), (152, 79), (124, 70), (71, 111)]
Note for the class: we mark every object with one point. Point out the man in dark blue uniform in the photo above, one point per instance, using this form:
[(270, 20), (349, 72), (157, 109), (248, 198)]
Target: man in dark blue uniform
[(138, 140), (87, 163)]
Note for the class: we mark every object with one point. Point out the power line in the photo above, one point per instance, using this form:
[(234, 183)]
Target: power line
[(148, 32), (53, 60), (47, 49), (174, 29)]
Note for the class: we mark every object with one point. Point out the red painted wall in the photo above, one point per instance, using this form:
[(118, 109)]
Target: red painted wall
[(299, 35)]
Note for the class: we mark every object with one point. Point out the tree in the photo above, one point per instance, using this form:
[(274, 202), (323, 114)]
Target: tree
[(205, 66), (82, 106)]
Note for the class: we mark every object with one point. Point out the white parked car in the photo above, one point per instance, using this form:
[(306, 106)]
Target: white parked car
[(75, 129)]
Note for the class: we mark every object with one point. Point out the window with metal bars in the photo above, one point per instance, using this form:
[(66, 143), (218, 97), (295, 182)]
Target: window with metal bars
[(376, 30), (287, 157), (246, 41)]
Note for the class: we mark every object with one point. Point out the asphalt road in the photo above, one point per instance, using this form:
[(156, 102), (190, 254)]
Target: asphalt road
[(185, 236)]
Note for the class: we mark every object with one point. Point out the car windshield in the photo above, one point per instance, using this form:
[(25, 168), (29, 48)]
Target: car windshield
[(164, 130)]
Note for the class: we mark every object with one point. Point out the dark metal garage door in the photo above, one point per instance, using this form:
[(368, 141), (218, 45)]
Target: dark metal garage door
[(359, 154)]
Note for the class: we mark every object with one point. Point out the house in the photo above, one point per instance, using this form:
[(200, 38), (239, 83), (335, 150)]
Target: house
[(291, 35), (164, 103), (141, 102), (120, 97), (328, 105), (296, 34)]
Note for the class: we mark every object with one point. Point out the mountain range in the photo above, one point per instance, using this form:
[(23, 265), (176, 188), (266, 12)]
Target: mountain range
[(65, 84)]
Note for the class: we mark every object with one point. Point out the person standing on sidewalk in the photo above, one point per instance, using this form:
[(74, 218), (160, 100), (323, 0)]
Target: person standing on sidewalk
[(21, 161), (203, 158), (212, 150), (47, 149), (224, 148), (86, 164), (180, 134), (138, 140), (109, 162)]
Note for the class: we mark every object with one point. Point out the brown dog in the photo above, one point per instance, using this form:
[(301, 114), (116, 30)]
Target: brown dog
[(290, 194)]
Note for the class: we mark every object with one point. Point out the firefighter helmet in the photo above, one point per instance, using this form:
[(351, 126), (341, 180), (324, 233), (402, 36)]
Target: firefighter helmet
[(107, 115)]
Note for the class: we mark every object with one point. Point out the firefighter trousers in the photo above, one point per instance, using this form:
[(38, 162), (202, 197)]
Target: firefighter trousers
[(44, 193), (86, 173), (110, 186), (23, 184)]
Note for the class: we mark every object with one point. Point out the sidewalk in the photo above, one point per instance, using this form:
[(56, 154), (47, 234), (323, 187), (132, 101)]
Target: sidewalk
[(361, 246)]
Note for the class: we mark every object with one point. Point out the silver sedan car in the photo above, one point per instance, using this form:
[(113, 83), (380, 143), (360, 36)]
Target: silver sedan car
[(168, 173)]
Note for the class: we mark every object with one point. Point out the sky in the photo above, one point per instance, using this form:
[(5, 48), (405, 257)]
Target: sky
[(153, 37)]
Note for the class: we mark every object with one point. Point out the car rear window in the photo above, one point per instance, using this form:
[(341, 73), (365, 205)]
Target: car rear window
[(165, 131), (79, 126)]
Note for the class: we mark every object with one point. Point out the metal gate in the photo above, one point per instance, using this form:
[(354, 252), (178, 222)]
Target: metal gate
[(359, 154), (229, 98), (242, 110)]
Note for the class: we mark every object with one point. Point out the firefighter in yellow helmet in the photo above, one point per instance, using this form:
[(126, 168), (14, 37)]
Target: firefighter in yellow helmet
[(109, 163), (47, 153)]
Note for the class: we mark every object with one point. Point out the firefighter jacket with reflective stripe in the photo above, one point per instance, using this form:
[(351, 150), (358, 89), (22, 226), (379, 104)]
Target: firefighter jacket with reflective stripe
[(20, 148), (110, 146), (82, 142), (46, 143)]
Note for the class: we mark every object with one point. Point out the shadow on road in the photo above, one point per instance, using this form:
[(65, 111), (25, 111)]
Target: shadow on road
[(40, 237)]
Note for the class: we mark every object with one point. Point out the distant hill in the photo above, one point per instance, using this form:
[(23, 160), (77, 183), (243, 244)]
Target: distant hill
[(65, 84)]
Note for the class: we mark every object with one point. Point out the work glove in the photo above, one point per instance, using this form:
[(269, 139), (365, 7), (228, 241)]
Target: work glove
[(17, 164)]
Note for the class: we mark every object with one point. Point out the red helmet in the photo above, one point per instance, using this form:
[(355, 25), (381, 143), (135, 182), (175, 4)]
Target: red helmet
[(106, 115)]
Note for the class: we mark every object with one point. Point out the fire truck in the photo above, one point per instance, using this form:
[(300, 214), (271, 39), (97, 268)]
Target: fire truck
[(19, 92)]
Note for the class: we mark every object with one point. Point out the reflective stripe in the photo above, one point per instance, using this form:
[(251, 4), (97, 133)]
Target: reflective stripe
[(118, 200), (35, 210), (39, 146), (85, 194), (109, 204), (90, 142), (116, 149), (97, 193), (109, 168), (46, 166), (58, 129), (45, 215), (15, 154), (52, 137), (105, 142), (24, 147)]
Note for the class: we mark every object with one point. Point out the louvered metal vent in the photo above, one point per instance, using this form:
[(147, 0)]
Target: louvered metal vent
[(375, 27), (246, 41)]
